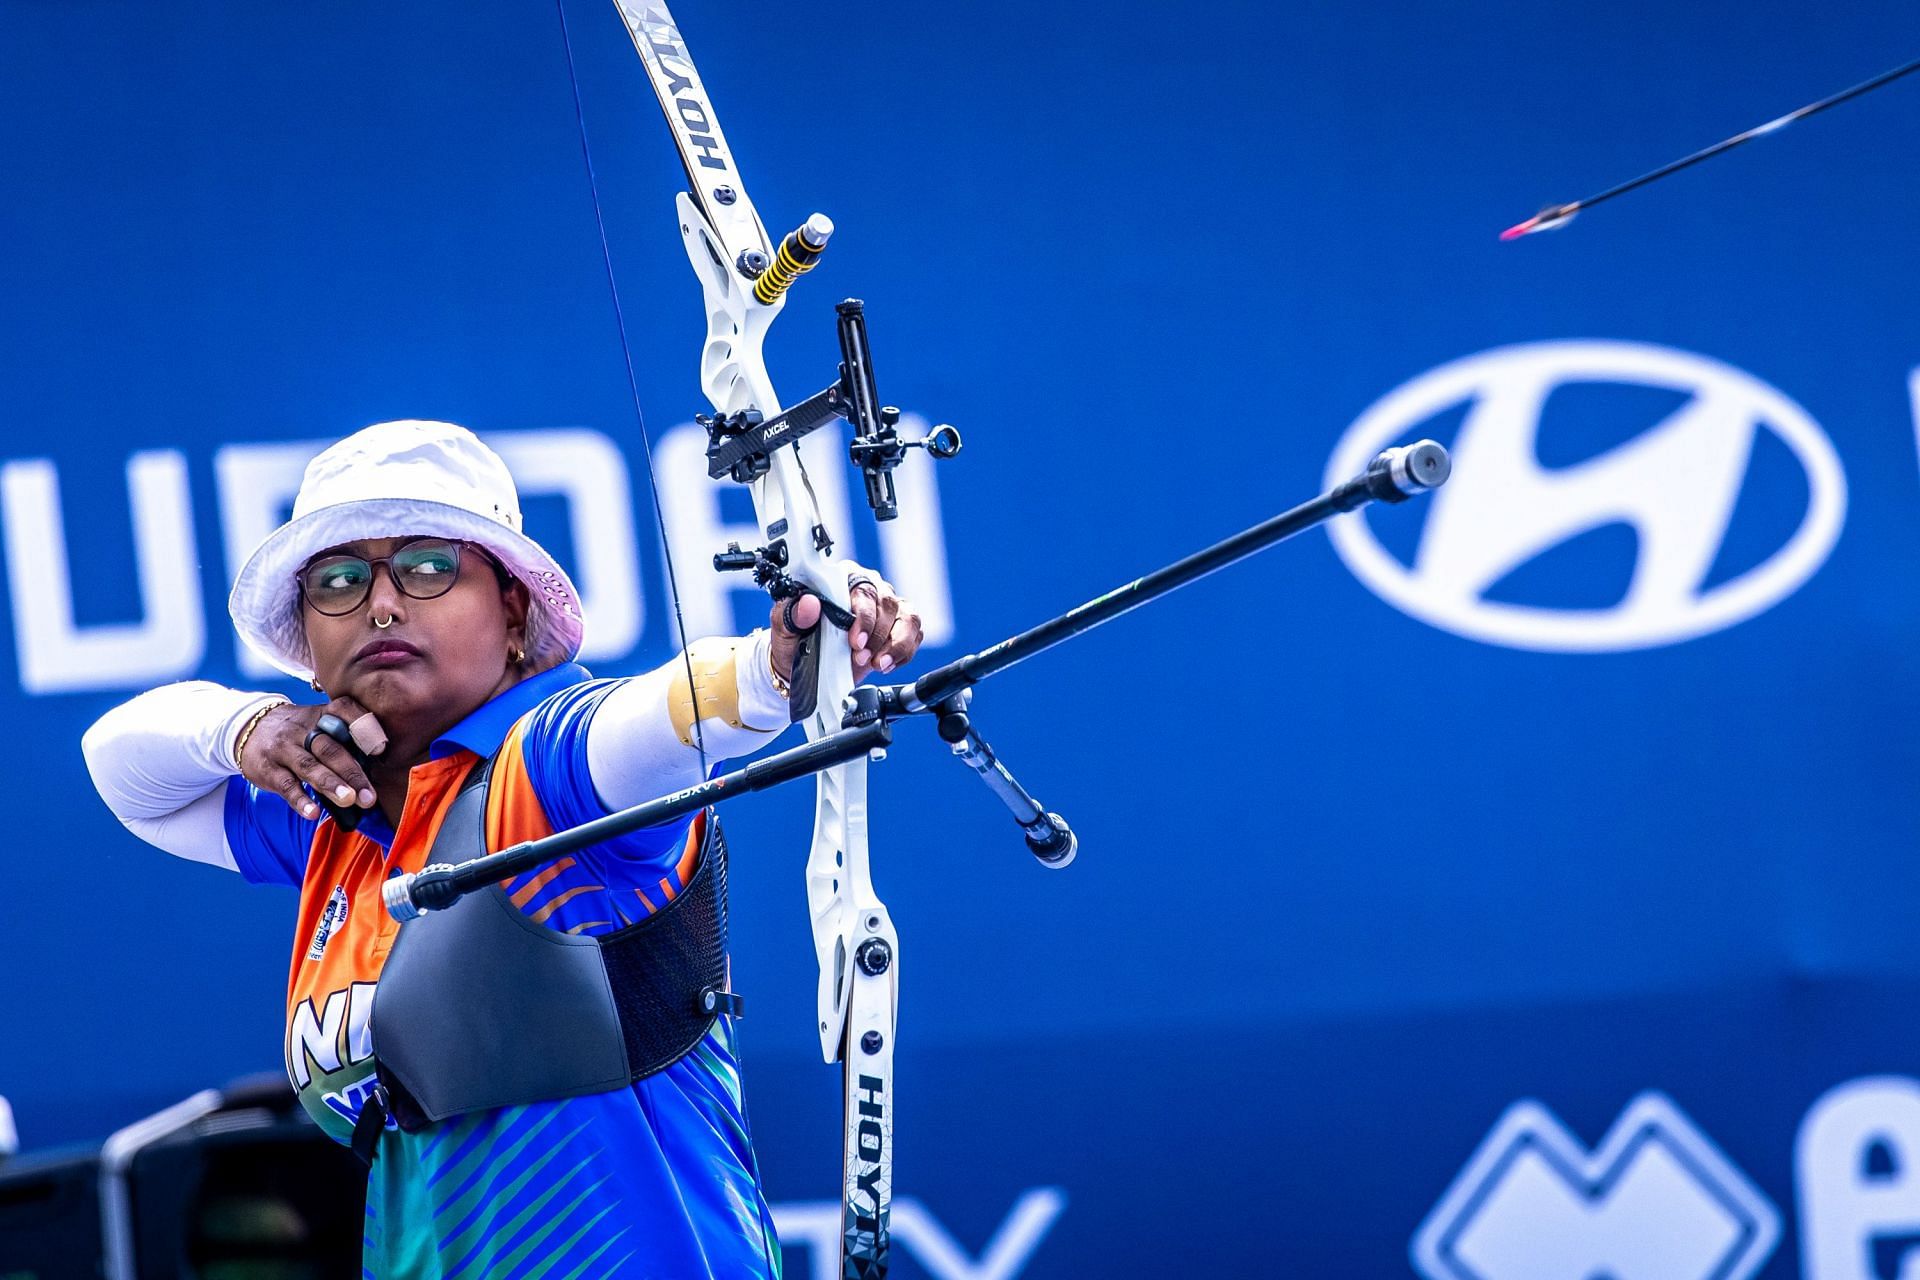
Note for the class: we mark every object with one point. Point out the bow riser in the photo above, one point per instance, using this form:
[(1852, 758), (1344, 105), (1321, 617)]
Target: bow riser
[(854, 940), (840, 894), (856, 1003)]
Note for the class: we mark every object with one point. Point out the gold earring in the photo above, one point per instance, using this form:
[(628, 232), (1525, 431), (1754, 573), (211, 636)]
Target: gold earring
[(518, 656), (315, 683)]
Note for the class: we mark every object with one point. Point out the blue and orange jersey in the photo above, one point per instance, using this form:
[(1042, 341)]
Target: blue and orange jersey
[(654, 1180)]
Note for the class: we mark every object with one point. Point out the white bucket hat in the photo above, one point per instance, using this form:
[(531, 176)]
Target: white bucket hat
[(397, 480)]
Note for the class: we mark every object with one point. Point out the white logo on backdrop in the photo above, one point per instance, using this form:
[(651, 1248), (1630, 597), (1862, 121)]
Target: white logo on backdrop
[(1857, 1162), (1676, 484), (1913, 396), (255, 484), (1655, 1201), (815, 1225)]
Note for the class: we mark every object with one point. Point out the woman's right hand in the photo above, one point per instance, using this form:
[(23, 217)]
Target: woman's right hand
[(276, 758)]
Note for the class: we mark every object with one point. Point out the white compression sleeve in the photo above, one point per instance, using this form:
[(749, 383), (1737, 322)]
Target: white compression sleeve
[(637, 750), (161, 760)]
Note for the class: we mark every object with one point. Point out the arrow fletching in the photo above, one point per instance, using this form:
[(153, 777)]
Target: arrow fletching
[(1551, 218)]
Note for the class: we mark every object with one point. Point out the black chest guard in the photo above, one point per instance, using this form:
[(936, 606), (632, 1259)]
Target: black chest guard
[(479, 1007)]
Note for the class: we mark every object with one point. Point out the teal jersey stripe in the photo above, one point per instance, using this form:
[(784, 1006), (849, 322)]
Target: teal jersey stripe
[(602, 1185)]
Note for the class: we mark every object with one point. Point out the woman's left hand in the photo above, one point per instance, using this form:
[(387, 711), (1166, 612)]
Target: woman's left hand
[(885, 634)]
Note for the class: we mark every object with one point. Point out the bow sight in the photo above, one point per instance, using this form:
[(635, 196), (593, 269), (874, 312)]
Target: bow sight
[(741, 444)]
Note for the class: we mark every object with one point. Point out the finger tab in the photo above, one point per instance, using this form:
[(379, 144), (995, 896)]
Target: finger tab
[(368, 734)]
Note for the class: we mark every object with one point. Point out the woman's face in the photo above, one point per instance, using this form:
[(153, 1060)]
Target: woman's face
[(438, 659)]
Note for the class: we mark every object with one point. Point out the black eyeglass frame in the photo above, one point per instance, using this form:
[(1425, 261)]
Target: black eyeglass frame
[(460, 548)]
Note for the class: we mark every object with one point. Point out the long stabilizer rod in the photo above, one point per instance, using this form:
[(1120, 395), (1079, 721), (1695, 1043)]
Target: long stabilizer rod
[(1393, 476)]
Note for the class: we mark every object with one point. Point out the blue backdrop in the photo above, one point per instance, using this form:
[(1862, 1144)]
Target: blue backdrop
[(1517, 886)]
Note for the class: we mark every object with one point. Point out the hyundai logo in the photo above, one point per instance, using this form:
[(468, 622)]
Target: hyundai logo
[(1675, 484)]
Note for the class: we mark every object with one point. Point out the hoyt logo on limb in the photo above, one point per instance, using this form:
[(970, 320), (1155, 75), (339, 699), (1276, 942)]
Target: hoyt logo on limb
[(866, 1234), (695, 116)]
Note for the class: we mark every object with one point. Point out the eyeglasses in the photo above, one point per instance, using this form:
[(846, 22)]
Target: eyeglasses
[(424, 569)]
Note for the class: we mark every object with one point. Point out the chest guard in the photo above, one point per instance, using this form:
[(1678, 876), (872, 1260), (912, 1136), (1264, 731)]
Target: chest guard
[(478, 1007)]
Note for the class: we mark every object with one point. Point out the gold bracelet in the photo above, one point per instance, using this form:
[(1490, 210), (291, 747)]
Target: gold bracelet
[(253, 722)]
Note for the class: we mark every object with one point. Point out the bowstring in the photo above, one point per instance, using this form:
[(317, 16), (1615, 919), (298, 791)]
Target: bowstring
[(633, 384)]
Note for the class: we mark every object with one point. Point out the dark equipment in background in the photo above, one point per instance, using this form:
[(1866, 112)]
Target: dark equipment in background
[(233, 1184)]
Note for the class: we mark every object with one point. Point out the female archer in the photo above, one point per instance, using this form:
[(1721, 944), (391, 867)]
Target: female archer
[(444, 638)]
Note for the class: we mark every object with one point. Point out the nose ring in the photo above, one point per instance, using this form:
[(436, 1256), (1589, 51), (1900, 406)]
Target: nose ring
[(383, 625)]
